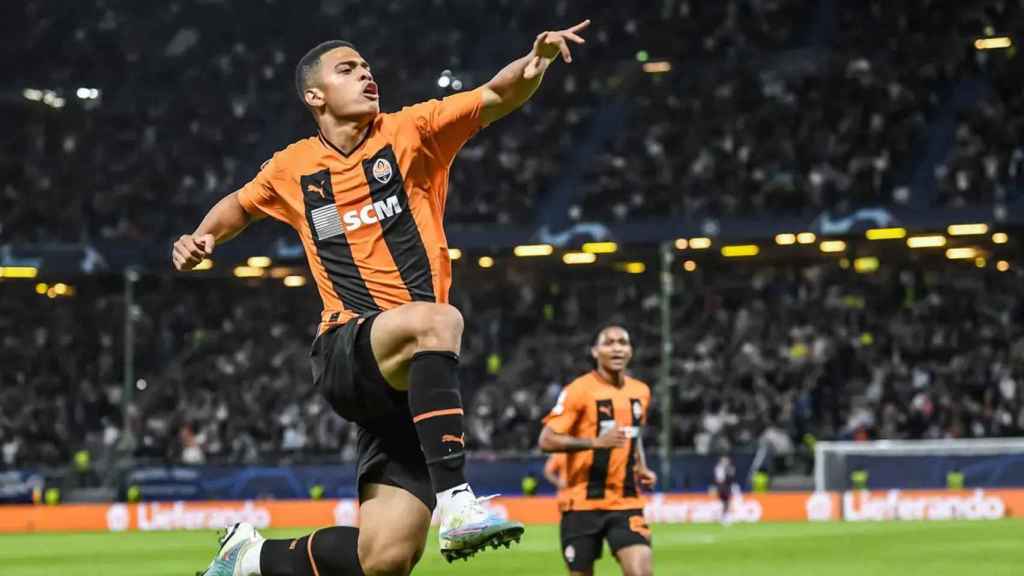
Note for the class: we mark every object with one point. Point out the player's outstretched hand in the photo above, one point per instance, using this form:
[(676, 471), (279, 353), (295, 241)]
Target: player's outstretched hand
[(190, 250), (549, 45), (614, 438)]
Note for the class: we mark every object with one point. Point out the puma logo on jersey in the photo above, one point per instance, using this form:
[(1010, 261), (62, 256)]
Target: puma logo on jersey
[(328, 224), (318, 188), (460, 439)]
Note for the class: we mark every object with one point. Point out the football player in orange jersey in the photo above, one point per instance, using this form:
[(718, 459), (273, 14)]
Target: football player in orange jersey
[(366, 196), (597, 423)]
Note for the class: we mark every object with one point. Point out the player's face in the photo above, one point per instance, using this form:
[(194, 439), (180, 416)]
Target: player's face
[(613, 350), (347, 85)]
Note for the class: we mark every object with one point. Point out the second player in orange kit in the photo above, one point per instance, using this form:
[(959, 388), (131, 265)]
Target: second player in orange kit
[(597, 422)]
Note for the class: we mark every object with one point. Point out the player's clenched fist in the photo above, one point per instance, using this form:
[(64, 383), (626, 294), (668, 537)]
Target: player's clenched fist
[(190, 250), (646, 477), (614, 438)]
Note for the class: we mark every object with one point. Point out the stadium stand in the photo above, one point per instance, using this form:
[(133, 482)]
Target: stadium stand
[(760, 117), (766, 353)]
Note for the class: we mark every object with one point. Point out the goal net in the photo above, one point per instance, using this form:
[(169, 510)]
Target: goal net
[(919, 464)]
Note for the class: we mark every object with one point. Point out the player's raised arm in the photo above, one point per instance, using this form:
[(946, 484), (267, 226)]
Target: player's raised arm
[(223, 222), (514, 85)]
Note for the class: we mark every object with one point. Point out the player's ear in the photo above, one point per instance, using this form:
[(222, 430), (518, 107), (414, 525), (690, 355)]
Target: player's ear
[(593, 352), (314, 97)]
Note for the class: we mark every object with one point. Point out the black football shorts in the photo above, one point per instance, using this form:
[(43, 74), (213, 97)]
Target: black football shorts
[(346, 373), (583, 533)]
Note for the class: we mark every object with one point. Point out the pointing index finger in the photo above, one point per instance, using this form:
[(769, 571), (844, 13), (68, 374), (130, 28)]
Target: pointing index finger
[(579, 26)]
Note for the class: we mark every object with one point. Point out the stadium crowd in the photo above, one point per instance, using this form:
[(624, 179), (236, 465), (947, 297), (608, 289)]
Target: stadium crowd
[(774, 105), (193, 101), (986, 162), (809, 131), (764, 355), (749, 143)]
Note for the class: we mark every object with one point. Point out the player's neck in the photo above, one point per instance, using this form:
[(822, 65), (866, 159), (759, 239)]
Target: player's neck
[(615, 378), (344, 134)]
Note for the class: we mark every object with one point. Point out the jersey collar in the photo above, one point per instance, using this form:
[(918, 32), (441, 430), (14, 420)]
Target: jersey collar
[(366, 136)]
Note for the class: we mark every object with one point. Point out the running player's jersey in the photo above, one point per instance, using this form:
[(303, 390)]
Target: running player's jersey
[(372, 221), (601, 479)]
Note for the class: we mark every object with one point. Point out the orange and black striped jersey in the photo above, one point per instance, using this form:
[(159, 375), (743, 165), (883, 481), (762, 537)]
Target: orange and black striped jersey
[(372, 221), (602, 479)]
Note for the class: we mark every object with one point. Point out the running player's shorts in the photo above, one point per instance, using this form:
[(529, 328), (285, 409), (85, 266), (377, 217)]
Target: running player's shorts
[(583, 531), (346, 373)]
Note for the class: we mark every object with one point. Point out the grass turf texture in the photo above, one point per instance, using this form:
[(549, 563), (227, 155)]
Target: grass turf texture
[(837, 549)]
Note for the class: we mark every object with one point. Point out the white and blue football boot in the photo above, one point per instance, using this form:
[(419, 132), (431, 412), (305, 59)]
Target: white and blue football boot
[(467, 527), (233, 544)]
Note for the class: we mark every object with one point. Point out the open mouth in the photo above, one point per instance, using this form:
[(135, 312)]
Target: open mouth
[(370, 91)]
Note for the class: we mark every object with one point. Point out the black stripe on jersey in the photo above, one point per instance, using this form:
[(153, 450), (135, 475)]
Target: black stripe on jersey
[(629, 482), (599, 467), (334, 251), (400, 231)]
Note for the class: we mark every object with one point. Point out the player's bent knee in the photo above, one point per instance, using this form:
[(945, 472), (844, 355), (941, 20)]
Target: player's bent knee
[(446, 319), (440, 328)]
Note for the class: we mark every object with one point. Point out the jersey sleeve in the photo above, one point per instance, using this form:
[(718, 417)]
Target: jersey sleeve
[(259, 196), (446, 125), (567, 411)]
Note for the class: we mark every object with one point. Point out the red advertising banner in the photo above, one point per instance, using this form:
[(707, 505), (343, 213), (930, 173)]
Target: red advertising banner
[(177, 515), (768, 507), (876, 506), (661, 508)]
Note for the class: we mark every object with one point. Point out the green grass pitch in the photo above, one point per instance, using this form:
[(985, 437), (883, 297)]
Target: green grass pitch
[(837, 549)]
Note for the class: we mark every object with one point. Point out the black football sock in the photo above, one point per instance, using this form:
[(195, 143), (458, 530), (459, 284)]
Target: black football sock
[(436, 406), (330, 551)]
